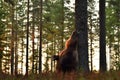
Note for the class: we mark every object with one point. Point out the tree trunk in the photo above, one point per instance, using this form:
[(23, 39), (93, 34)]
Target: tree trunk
[(12, 43), (33, 37), (40, 47), (16, 53), (16, 44), (0, 63), (62, 25), (81, 26), (103, 66), (27, 39)]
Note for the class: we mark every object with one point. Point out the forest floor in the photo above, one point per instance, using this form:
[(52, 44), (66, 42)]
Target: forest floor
[(112, 75)]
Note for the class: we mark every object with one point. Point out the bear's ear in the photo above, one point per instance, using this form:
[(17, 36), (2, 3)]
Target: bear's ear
[(75, 34), (77, 31)]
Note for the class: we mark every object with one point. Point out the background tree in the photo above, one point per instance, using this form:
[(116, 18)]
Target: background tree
[(16, 40), (103, 66), (2, 31), (113, 32), (33, 38), (12, 40), (93, 32), (40, 47), (27, 37)]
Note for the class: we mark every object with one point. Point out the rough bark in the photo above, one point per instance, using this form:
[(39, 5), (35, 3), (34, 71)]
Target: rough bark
[(81, 25)]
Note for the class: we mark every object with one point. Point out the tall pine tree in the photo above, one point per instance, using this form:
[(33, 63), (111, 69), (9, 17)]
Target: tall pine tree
[(81, 16), (103, 66)]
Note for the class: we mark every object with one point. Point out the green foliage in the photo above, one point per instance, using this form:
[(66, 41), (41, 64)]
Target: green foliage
[(113, 31), (52, 23), (2, 29)]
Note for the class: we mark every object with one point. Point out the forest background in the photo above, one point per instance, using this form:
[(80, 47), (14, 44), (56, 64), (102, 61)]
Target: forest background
[(30, 32)]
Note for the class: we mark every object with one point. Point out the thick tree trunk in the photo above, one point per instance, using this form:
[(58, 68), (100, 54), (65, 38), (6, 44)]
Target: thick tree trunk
[(81, 26)]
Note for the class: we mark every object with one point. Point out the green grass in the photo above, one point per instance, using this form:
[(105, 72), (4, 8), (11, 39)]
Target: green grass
[(113, 75)]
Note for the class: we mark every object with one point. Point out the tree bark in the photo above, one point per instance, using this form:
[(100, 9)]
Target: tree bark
[(103, 66), (12, 43), (40, 47), (27, 38), (81, 26)]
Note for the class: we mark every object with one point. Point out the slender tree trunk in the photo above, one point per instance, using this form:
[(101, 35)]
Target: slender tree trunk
[(16, 45), (40, 47), (22, 55), (0, 62), (16, 55), (27, 38), (62, 24), (1, 51), (12, 43), (103, 66), (33, 37), (81, 26)]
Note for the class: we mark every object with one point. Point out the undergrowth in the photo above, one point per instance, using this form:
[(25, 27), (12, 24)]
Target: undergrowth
[(111, 75)]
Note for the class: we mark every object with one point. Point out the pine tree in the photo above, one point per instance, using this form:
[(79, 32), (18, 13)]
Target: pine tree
[(81, 26), (103, 66)]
